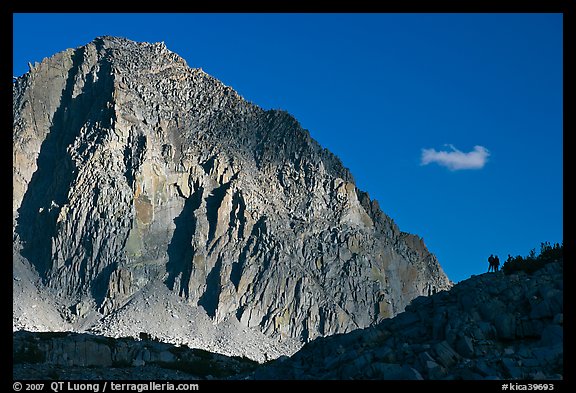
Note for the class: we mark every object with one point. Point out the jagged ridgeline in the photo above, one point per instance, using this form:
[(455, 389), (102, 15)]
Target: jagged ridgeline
[(133, 169)]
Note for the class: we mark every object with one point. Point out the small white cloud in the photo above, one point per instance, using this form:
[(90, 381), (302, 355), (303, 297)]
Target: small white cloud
[(455, 159)]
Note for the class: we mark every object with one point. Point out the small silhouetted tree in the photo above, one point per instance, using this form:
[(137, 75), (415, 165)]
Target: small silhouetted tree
[(532, 262)]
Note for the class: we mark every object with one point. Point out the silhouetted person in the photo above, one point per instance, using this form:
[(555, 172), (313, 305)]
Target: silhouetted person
[(496, 263), (491, 262)]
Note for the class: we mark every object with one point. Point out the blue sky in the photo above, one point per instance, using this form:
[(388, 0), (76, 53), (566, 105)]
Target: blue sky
[(453, 122)]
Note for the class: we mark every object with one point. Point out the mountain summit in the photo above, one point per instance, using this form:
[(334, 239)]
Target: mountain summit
[(145, 189)]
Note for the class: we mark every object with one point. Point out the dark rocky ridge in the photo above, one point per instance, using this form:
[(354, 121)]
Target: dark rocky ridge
[(490, 326), (132, 169)]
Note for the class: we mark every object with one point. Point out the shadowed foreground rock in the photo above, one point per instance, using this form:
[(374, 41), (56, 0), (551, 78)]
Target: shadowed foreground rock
[(490, 326), (65, 355)]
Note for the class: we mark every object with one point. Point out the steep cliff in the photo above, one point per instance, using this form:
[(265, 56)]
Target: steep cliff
[(133, 169)]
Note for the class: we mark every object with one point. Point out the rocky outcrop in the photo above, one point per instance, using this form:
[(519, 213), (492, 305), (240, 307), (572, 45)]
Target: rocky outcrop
[(66, 355), (131, 168), (490, 326)]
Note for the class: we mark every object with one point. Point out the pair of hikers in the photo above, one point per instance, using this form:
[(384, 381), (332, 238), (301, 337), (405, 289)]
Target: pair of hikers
[(493, 263)]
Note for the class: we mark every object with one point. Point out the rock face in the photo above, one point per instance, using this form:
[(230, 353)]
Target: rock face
[(491, 326), (132, 169)]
